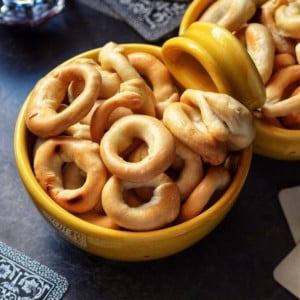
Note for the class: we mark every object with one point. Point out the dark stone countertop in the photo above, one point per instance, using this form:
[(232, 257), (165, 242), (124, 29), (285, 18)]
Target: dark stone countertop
[(235, 261)]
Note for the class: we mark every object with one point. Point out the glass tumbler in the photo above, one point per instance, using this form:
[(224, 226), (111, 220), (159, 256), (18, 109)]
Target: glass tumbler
[(28, 12)]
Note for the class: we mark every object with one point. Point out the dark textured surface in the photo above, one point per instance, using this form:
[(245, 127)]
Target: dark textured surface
[(235, 261)]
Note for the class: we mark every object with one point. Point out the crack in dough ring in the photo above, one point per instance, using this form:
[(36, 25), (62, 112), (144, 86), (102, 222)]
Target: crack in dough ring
[(215, 180), (186, 124), (159, 77), (159, 211), (261, 48), (282, 44), (42, 118), (49, 158), (113, 58), (131, 95), (287, 19), (229, 13), (231, 120), (123, 132)]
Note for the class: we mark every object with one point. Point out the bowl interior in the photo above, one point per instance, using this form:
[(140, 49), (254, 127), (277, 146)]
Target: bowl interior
[(121, 244)]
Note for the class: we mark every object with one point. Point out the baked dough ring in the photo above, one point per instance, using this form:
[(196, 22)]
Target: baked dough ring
[(186, 124), (41, 115), (80, 130), (261, 48), (187, 165), (231, 14), (285, 107), (215, 180), (280, 81), (109, 85), (282, 44), (131, 96), (159, 211), (230, 120), (287, 19), (278, 104), (191, 172), (49, 158), (159, 77), (123, 132), (113, 58)]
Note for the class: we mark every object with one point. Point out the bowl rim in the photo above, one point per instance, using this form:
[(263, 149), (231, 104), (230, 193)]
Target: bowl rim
[(272, 129), (44, 202), (193, 13)]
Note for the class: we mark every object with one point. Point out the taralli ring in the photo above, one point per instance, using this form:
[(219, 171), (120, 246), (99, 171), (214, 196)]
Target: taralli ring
[(287, 19), (161, 147), (191, 173), (282, 44), (226, 119), (159, 77), (186, 124), (277, 105), (159, 211), (125, 98), (49, 159), (261, 48), (232, 14), (216, 179), (42, 118)]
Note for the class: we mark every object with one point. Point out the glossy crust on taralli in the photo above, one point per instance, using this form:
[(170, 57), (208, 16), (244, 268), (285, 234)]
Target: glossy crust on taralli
[(42, 117), (232, 14), (161, 147), (49, 158), (159, 211)]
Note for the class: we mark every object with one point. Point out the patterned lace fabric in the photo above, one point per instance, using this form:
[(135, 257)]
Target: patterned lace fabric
[(26, 279), (152, 19)]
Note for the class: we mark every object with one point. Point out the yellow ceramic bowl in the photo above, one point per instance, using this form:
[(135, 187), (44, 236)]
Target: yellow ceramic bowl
[(275, 142), (270, 141), (209, 57), (116, 244)]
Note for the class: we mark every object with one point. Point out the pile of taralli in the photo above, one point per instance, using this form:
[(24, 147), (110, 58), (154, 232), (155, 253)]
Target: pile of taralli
[(270, 31), (119, 145)]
